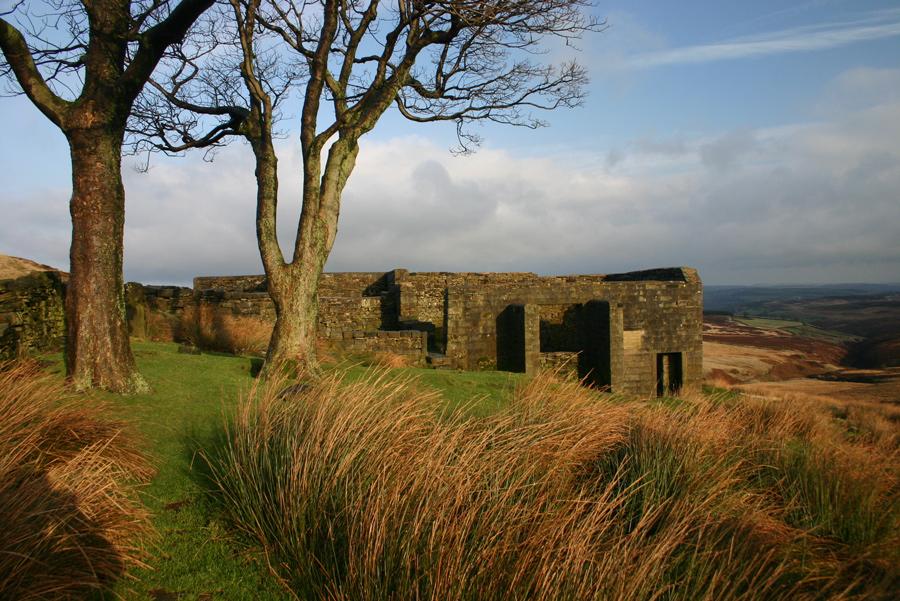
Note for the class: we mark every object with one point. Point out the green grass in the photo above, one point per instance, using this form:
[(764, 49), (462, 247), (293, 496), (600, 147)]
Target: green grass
[(820, 334), (797, 328), (198, 555), (766, 323), (481, 393), (194, 555)]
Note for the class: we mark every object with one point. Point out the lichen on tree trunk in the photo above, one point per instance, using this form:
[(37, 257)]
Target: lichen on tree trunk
[(97, 348), (292, 347), (294, 286), (112, 47)]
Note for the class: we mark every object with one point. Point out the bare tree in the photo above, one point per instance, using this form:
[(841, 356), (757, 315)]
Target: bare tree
[(462, 61), (83, 64)]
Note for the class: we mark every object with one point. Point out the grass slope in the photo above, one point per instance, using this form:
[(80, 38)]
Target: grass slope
[(196, 554), (193, 556), (797, 328)]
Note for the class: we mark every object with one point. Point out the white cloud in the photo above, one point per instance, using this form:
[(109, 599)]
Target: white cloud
[(800, 203), (817, 202), (880, 25), (860, 88)]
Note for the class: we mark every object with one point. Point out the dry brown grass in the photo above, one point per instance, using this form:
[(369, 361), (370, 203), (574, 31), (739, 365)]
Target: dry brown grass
[(16, 267), (211, 329), (363, 490), (160, 327), (67, 506), (389, 360)]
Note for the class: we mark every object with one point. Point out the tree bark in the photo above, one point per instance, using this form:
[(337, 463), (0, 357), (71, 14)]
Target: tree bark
[(294, 287), (97, 348), (293, 343)]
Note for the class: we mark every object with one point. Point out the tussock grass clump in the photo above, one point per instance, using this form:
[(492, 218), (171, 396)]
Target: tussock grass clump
[(366, 490), (68, 516), (208, 328), (391, 360)]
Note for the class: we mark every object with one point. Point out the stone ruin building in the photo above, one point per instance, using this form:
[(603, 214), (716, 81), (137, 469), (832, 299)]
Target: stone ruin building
[(636, 333)]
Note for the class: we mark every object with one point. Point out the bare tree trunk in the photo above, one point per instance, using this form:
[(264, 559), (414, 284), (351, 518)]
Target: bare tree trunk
[(294, 287), (293, 343), (97, 349)]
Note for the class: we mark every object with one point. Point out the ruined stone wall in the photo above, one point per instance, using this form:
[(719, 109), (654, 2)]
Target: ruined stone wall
[(657, 317), (353, 301), (156, 312), (351, 283), (341, 316), (32, 314), (421, 297), (245, 304), (231, 283), (638, 315), (361, 283), (408, 300), (472, 313), (412, 345), (348, 303)]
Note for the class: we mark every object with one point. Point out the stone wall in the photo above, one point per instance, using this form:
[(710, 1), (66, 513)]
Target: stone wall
[(412, 345), (617, 325), (32, 314), (246, 304), (231, 283), (341, 316), (658, 316), (348, 283), (422, 297), (155, 312)]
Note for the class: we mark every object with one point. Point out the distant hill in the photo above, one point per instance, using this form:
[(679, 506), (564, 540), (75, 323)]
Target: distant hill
[(737, 299), (868, 311), (16, 267)]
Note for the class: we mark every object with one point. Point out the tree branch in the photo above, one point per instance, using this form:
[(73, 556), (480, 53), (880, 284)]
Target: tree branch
[(154, 42), (20, 60)]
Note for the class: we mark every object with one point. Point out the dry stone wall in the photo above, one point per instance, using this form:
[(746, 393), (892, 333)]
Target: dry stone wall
[(157, 312), (341, 316), (422, 297), (32, 314), (638, 333), (357, 311), (412, 345), (658, 316)]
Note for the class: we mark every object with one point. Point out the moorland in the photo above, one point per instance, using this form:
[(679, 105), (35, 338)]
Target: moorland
[(391, 482)]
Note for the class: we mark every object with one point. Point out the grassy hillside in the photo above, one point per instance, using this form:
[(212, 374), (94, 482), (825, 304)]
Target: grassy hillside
[(194, 553), (725, 494), (738, 299), (865, 318), (797, 328)]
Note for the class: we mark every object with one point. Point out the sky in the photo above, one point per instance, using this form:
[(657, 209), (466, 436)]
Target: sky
[(756, 141)]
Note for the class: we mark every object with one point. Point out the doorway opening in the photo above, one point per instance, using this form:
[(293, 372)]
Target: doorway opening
[(668, 374)]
